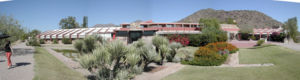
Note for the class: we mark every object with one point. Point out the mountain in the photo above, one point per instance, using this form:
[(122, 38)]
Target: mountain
[(245, 19)]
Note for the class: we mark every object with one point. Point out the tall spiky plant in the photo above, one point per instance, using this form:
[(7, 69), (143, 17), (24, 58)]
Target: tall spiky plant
[(147, 53), (161, 46)]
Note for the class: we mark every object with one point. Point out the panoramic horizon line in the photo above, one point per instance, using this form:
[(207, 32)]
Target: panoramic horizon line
[(293, 1), (5, 0)]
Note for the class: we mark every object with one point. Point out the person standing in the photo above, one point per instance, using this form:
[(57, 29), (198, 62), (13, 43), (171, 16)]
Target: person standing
[(8, 53)]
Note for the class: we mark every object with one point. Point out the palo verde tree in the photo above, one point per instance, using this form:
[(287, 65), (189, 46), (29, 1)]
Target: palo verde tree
[(69, 23), (291, 27)]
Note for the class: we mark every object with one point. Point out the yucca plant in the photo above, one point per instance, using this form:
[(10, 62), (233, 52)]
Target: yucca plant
[(163, 51), (161, 46), (147, 53), (110, 59), (159, 40)]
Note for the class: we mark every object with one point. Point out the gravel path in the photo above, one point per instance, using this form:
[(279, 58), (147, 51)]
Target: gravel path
[(168, 69), (22, 61)]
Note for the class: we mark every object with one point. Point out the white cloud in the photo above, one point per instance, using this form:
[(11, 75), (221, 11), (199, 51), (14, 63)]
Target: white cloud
[(5, 0), (295, 1)]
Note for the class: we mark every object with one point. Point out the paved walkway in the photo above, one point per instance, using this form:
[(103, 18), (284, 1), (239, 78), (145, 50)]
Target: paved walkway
[(22, 61)]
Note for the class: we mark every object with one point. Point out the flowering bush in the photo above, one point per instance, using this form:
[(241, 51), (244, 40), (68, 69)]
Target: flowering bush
[(222, 46), (207, 57), (183, 40)]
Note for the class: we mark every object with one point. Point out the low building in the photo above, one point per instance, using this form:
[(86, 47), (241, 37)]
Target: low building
[(77, 33), (146, 30), (231, 29), (130, 32), (266, 32)]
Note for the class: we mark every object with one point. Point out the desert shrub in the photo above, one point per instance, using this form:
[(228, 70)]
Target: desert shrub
[(33, 42), (89, 44), (174, 46), (207, 57), (42, 41), (183, 40), (78, 45), (159, 40), (183, 55), (66, 41), (260, 42), (55, 41), (222, 46), (198, 40)]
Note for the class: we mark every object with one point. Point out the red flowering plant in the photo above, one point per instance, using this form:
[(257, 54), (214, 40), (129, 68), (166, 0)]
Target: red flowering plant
[(222, 46), (179, 38)]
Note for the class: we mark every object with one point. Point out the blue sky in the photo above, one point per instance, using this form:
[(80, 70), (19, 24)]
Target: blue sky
[(46, 14)]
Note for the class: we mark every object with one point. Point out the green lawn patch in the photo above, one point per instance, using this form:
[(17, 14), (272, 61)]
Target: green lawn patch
[(286, 67), (47, 67)]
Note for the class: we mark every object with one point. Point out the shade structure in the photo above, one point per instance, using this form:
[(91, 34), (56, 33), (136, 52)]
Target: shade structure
[(3, 36), (105, 32)]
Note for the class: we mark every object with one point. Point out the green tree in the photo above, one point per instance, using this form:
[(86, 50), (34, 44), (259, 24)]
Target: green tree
[(85, 22), (212, 30), (69, 23), (291, 26), (210, 23), (11, 27)]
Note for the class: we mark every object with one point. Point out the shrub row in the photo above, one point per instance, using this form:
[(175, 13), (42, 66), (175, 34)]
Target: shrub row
[(197, 40)]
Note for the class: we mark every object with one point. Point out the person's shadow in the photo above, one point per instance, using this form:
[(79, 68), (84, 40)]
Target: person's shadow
[(20, 64), (2, 60)]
